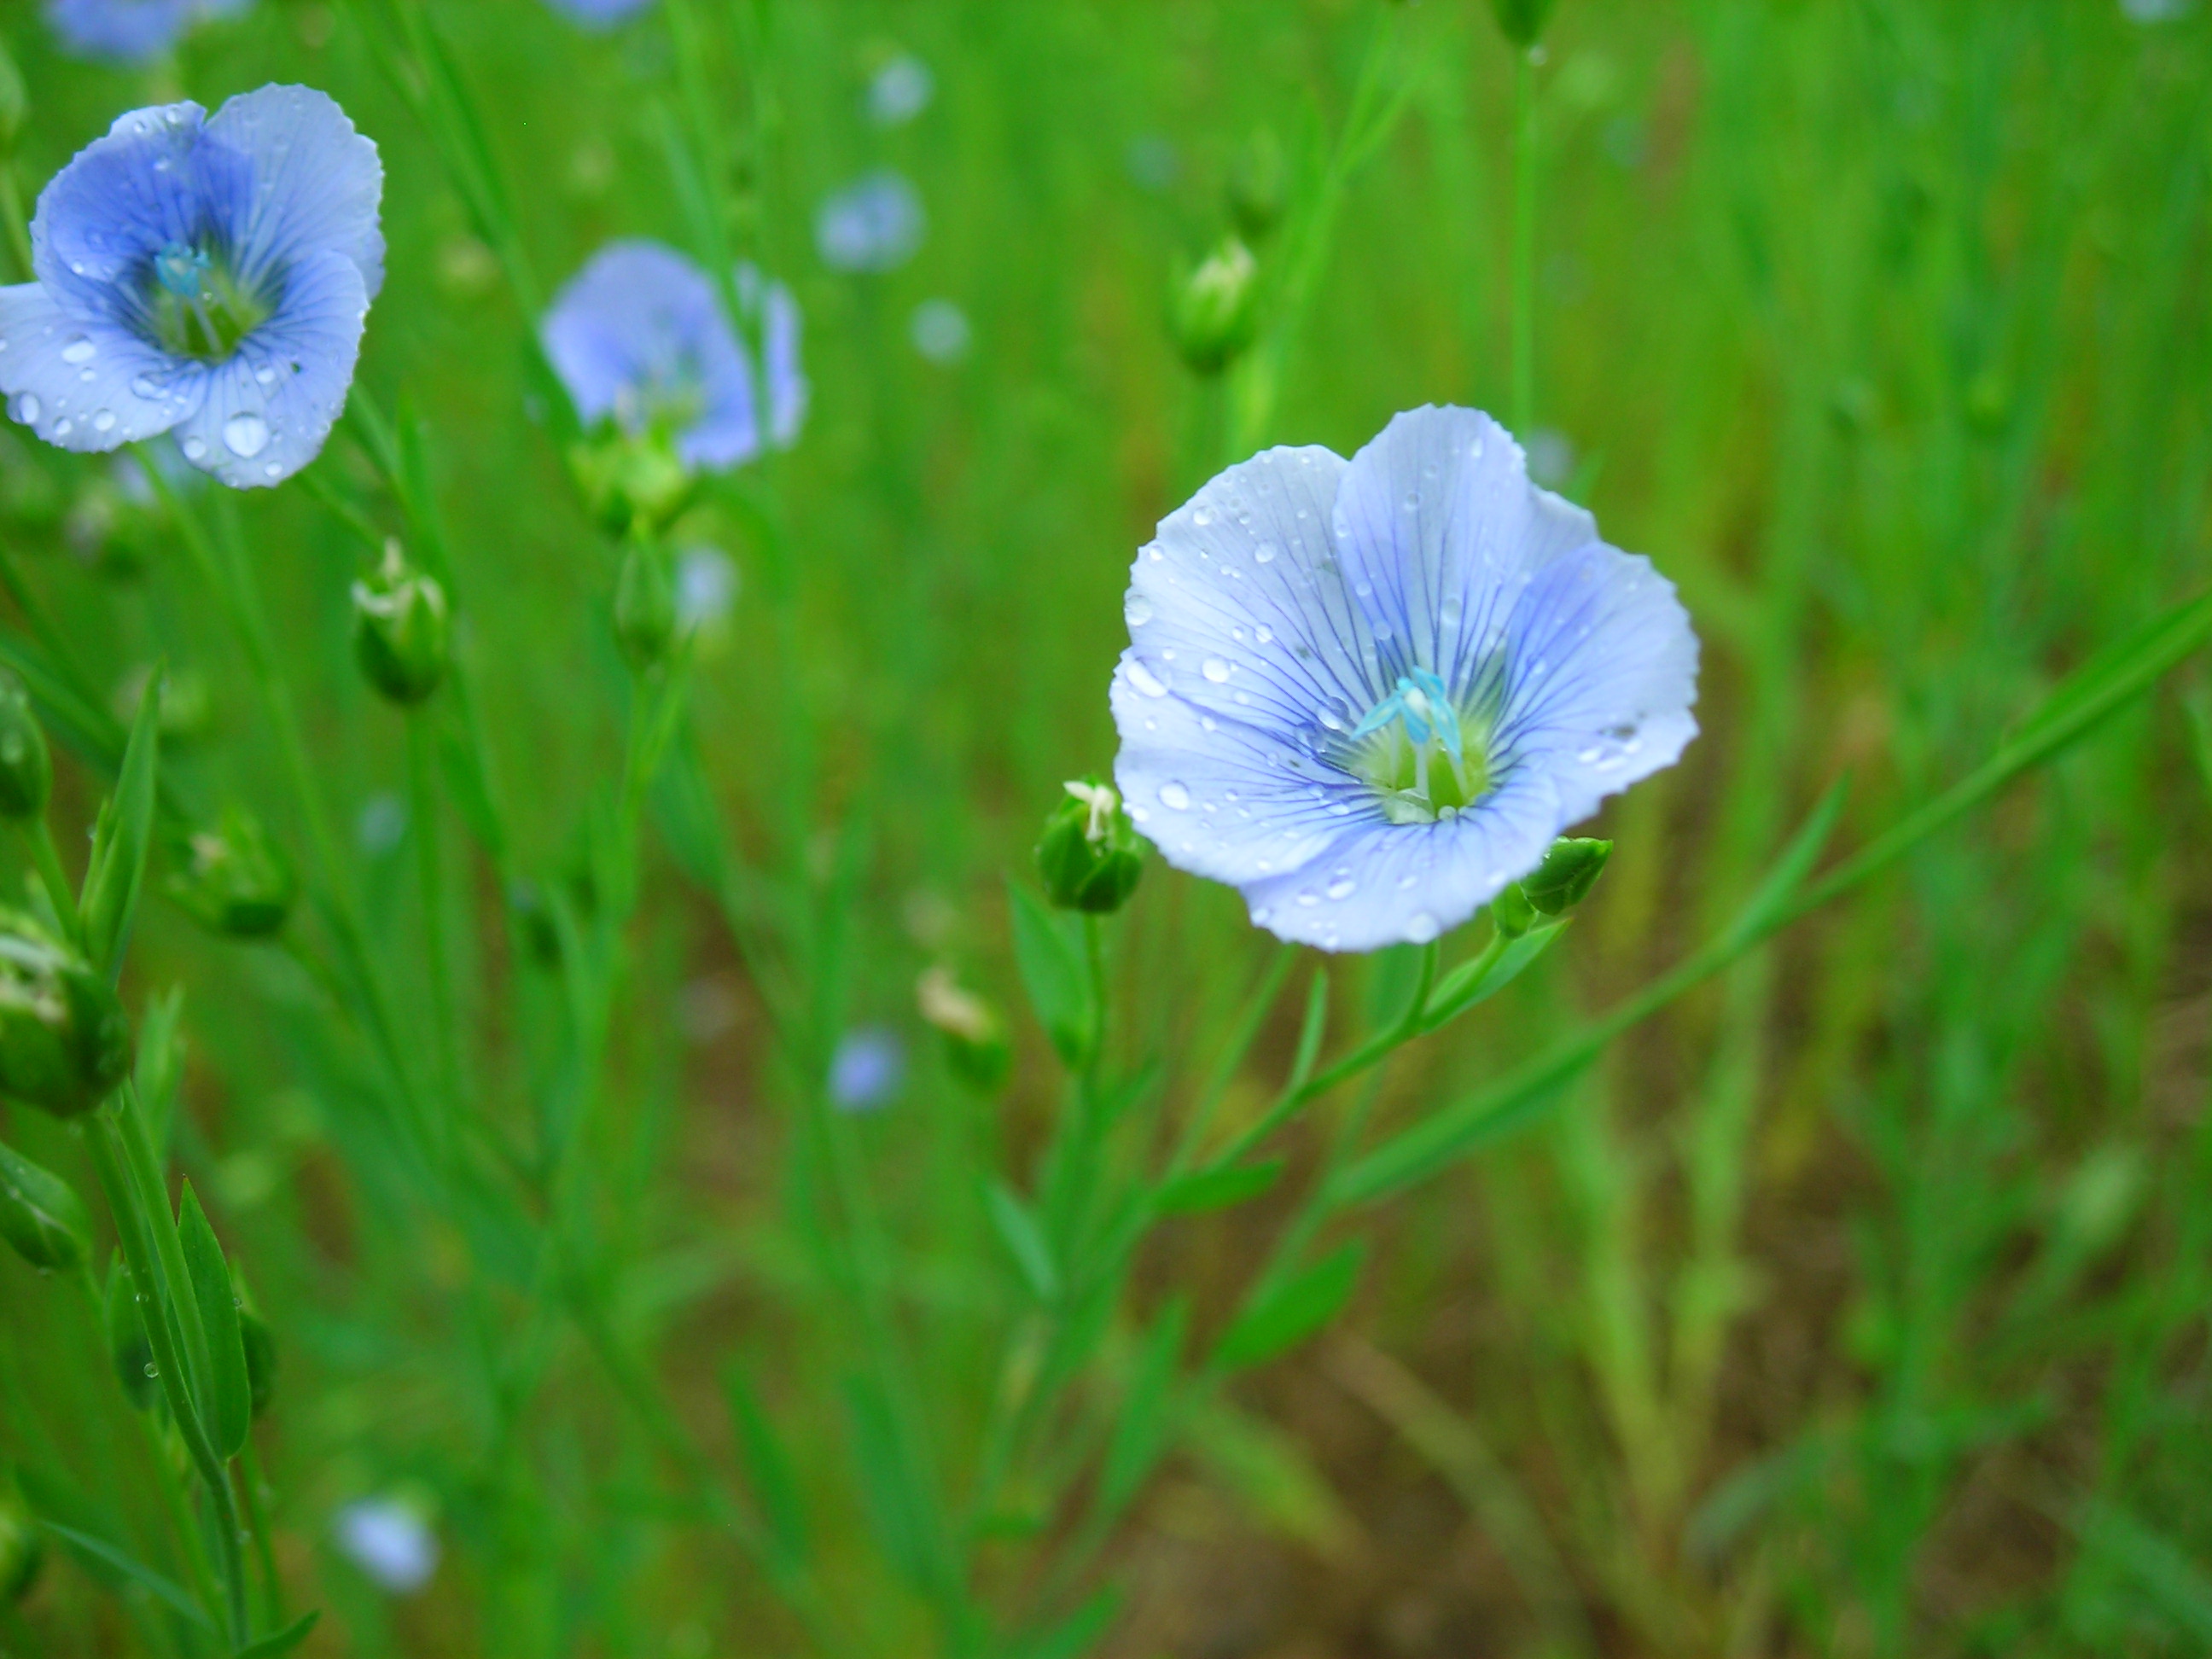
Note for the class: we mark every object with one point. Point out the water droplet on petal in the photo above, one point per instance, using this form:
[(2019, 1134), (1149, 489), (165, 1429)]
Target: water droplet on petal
[(1421, 927), (195, 449), (104, 420), (1201, 515), (25, 408), (1215, 670), (1175, 797), (1137, 610), (1264, 554), (1151, 683), (245, 435), (1341, 888)]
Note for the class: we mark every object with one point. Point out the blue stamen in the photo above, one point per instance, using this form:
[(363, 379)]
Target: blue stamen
[(182, 269)]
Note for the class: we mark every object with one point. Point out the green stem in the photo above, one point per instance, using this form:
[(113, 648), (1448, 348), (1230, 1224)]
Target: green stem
[(257, 1519), (1524, 243), (11, 210), (423, 825), (48, 859)]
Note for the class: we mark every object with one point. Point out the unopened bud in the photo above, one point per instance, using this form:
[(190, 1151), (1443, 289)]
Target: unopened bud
[(1215, 311), (1510, 912), (400, 631), (234, 880), (127, 1347), (1522, 21), (632, 481), (27, 769), (1569, 870), (645, 606), (41, 1215), (64, 1039), (1258, 185), (21, 1548), (1090, 855), (975, 1045)]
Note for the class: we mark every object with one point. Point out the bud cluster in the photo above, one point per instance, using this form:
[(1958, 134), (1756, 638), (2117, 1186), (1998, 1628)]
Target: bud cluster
[(64, 1039), (1562, 881), (400, 630)]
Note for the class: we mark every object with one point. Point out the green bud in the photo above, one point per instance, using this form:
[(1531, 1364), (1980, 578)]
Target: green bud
[(1215, 312), (1569, 870), (1522, 21), (400, 630), (975, 1044), (1090, 855), (40, 1214), (645, 606), (234, 880), (1510, 912), (1259, 184), (21, 1547), (632, 482), (64, 1039), (27, 770), (127, 1347)]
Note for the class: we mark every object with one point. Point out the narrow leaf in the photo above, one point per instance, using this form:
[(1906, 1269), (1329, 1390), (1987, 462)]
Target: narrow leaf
[(98, 1551), (1147, 1412), (41, 1213), (227, 1412), (1024, 1240), (271, 1647), (1477, 980), (1281, 1318), (1075, 1635), (118, 870), (161, 1063), (767, 1468), (1310, 1032), (1219, 1187), (896, 1506), (1053, 973)]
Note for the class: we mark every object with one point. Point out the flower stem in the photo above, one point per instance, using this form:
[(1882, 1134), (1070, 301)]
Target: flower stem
[(1524, 243), (48, 860), (423, 829)]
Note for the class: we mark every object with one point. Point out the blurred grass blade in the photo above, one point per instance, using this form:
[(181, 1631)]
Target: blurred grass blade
[(1024, 1240), (1285, 1315), (226, 1409), (1052, 973), (119, 1562), (285, 1640), (1217, 1188), (768, 1469), (2165, 1573), (1075, 1635), (1311, 1031), (124, 838), (1141, 1432)]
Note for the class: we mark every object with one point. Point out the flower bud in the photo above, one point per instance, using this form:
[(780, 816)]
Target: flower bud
[(127, 1347), (1090, 856), (632, 481), (1522, 21), (975, 1045), (1259, 185), (40, 1214), (64, 1039), (234, 880), (400, 630), (27, 770), (645, 606), (21, 1548), (1569, 870), (1510, 912), (1215, 308)]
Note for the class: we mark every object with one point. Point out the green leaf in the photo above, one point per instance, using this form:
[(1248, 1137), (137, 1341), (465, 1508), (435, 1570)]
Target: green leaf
[(270, 1647), (2179, 1587), (124, 836), (767, 1468), (1476, 982), (1147, 1413), (41, 1213), (897, 1509), (1075, 1635), (1218, 1188), (99, 1553), (160, 1064), (1311, 1031), (227, 1412), (1023, 1239), (1280, 1318), (1050, 956)]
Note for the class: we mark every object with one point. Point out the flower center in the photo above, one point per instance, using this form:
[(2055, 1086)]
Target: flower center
[(196, 306), (1425, 757), (668, 398)]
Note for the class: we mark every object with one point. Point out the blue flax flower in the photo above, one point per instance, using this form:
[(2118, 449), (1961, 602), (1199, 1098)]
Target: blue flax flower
[(874, 224), (640, 337), (866, 1070), (1367, 694), (599, 14), (129, 31), (207, 277)]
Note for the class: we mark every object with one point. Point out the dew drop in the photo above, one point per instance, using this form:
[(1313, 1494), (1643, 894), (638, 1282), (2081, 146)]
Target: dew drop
[(63, 426), (1175, 797), (1264, 634), (245, 435), (1309, 896), (274, 470), (1215, 670), (195, 449), (1341, 888), (1421, 927), (104, 420), (1413, 500), (1137, 610), (1264, 554), (1151, 683), (25, 408), (142, 385), (1201, 515)]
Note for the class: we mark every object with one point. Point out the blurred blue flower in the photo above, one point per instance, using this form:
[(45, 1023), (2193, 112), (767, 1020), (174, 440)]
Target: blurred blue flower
[(1369, 693), (381, 824), (639, 336), (207, 277), (388, 1539), (866, 1071), (874, 223), (129, 31), (706, 588), (598, 14), (941, 331), (771, 311), (2155, 11), (899, 91)]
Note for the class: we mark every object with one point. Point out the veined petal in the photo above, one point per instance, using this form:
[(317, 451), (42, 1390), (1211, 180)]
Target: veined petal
[(315, 184), (266, 412), (123, 198), (1438, 522), (82, 385), (1602, 672), (1386, 883)]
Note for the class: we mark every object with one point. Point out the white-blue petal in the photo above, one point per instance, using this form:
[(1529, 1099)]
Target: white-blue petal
[(315, 184), (122, 198), (82, 385), (266, 412)]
